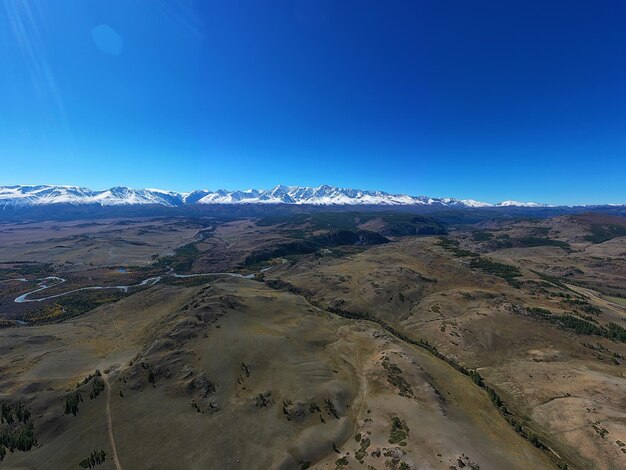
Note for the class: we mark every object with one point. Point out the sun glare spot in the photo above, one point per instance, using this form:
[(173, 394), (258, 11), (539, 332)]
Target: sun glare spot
[(107, 40)]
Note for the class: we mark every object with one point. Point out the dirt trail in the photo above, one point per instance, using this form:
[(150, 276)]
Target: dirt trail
[(599, 299), (116, 460)]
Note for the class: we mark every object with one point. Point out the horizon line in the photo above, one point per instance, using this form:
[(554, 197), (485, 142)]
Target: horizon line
[(443, 198)]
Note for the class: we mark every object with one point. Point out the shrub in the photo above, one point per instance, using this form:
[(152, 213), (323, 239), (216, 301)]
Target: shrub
[(72, 401), (97, 457), (399, 431)]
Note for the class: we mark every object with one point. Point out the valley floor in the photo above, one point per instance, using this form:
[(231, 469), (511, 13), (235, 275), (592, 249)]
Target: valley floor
[(304, 349)]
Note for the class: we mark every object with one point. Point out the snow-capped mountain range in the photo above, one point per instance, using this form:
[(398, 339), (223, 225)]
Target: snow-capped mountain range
[(36, 195)]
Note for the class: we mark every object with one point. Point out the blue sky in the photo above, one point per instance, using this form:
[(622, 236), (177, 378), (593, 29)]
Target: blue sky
[(488, 100)]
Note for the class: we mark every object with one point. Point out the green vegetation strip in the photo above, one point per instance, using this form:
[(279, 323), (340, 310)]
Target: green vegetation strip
[(312, 244), (529, 242), (182, 260), (453, 247), (605, 232), (397, 224), (481, 236), (505, 271), (556, 281), (73, 305), (20, 269), (580, 326)]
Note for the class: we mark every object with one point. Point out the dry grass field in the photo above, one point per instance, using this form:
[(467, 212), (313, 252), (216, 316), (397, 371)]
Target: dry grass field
[(325, 343)]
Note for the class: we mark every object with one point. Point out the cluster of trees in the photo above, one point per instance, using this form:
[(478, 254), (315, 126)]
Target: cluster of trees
[(73, 305), (82, 302), (578, 325), (542, 241), (264, 400), (21, 437), (399, 431), (453, 247), (25, 268), (11, 413), (86, 380), (570, 322), (505, 271), (583, 305), (330, 408), (556, 281), (72, 401), (97, 386), (529, 242), (601, 233), (537, 238), (615, 332), (75, 398), (481, 236), (187, 281), (182, 260), (395, 378), (96, 457), (364, 443), (16, 430)]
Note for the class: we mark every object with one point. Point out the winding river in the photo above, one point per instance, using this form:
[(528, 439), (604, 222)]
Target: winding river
[(53, 281)]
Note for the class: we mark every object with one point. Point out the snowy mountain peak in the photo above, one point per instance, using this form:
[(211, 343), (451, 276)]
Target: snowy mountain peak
[(519, 204), (35, 195)]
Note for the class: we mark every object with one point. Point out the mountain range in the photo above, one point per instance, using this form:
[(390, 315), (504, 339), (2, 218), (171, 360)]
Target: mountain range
[(37, 195)]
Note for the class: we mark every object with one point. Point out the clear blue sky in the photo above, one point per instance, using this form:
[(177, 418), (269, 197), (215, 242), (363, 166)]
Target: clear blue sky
[(489, 100)]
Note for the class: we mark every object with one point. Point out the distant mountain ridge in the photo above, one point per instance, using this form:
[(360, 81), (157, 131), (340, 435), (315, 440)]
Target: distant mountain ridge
[(38, 195)]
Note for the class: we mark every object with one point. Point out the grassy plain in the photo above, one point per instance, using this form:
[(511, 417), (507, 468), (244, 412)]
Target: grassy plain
[(391, 351)]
